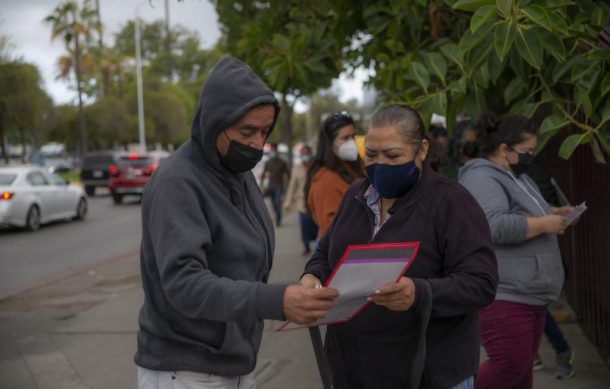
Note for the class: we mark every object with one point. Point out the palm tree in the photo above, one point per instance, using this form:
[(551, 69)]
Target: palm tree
[(73, 23)]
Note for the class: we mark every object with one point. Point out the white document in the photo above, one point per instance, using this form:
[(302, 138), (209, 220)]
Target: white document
[(576, 212), (359, 275)]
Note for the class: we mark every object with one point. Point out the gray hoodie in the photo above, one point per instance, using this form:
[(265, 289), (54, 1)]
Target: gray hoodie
[(207, 245), (530, 270)]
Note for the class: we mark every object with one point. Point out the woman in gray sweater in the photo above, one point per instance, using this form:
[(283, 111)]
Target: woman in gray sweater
[(524, 232)]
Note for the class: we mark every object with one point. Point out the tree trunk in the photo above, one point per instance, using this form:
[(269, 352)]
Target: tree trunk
[(120, 83), (79, 89), (2, 140), (22, 141), (287, 108)]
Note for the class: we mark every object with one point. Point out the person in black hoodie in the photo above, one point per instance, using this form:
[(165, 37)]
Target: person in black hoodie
[(404, 200), (208, 243)]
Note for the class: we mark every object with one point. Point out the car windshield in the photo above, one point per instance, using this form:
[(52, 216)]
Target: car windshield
[(134, 162), (7, 178)]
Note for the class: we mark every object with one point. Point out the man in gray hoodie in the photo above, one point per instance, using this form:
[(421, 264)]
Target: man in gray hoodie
[(207, 246)]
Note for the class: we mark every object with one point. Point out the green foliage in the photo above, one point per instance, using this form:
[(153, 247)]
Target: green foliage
[(471, 55), (24, 105), (108, 80)]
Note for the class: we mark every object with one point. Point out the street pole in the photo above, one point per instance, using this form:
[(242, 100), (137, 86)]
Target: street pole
[(139, 83)]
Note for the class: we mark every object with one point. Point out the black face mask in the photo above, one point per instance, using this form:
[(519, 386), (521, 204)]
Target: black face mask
[(240, 157), (525, 162)]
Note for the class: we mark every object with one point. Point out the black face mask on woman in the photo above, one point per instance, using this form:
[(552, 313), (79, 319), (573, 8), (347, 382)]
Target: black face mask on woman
[(240, 157), (525, 162)]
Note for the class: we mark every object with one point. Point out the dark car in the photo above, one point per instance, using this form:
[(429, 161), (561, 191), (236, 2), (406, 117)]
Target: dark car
[(130, 175), (96, 169)]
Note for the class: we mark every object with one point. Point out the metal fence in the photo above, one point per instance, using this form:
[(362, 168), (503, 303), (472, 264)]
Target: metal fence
[(586, 246)]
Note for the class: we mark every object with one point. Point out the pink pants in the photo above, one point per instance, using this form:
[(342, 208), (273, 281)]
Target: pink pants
[(510, 333)]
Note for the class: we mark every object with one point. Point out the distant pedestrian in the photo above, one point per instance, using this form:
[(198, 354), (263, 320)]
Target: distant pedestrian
[(207, 246), (524, 231), (335, 166), (295, 199), (275, 176)]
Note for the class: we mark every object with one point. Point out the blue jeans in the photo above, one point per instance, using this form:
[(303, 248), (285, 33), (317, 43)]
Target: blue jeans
[(275, 194), (468, 383), (554, 334), (309, 230)]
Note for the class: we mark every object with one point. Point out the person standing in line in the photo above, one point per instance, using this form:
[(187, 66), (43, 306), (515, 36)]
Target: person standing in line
[(295, 199), (524, 231), (453, 276), (207, 246), (335, 166), (275, 175)]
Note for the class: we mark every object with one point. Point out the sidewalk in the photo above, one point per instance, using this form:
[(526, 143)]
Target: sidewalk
[(80, 333)]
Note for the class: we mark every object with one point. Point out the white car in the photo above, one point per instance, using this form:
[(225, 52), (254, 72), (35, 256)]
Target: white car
[(31, 196)]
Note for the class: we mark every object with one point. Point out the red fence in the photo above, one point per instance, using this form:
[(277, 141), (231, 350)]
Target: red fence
[(586, 246)]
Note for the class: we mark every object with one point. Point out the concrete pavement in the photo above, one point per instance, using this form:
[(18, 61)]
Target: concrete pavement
[(80, 333)]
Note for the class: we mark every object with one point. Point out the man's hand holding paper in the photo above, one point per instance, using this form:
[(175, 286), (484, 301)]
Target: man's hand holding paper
[(303, 305)]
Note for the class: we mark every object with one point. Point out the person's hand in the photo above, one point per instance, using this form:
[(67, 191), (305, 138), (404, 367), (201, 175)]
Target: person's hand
[(563, 211), (310, 281), (555, 224), (305, 305), (399, 296)]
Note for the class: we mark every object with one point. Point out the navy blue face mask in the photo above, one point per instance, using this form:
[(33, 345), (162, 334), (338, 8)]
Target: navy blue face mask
[(392, 181)]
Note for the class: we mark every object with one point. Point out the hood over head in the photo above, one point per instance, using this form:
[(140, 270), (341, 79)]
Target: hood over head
[(478, 163), (230, 91)]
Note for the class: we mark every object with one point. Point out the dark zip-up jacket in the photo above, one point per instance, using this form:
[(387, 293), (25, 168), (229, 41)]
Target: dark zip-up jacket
[(207, 245), (456, 258)]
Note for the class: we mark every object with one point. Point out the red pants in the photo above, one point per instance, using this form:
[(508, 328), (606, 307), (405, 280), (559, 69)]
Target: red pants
[(510, 333)]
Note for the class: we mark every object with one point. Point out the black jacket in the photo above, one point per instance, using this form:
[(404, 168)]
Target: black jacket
[(207, 245), (456, 258)]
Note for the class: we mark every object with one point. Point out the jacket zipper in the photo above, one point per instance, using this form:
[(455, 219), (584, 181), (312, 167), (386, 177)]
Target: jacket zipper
[(371, 217)]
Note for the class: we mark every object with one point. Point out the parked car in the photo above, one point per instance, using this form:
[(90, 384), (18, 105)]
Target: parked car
[(132, 173), (97, 168), (157, 157), (31, 196)]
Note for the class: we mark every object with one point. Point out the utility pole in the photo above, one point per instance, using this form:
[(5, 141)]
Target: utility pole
[(139, 82), (168, 43)]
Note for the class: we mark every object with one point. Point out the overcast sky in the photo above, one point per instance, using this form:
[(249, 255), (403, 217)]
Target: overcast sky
[(22, 21)]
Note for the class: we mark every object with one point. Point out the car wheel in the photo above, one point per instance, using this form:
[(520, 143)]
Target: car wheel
[(81, 209), (32, 222), (90, 190), (117, 198)]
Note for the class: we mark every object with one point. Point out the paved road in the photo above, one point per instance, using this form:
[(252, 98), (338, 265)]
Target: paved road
[(109, 232)]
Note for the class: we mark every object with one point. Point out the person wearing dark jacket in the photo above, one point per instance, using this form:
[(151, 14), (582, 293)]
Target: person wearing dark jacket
[(207, 246), (404, 200)]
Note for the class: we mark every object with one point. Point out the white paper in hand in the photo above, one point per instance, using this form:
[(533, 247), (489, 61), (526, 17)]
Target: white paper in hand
[(576, 212), (361, 271)]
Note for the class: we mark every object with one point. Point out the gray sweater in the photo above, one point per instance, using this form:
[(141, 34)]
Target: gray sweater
[(530, 270), (207, 245)]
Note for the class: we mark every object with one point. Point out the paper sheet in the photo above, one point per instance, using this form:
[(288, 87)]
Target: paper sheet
[(362, 270), (576, 212)]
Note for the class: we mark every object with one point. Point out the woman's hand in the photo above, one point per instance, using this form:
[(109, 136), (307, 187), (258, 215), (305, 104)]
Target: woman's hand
[(396, 297), (555, 224), (562, 211), (310, 281)]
